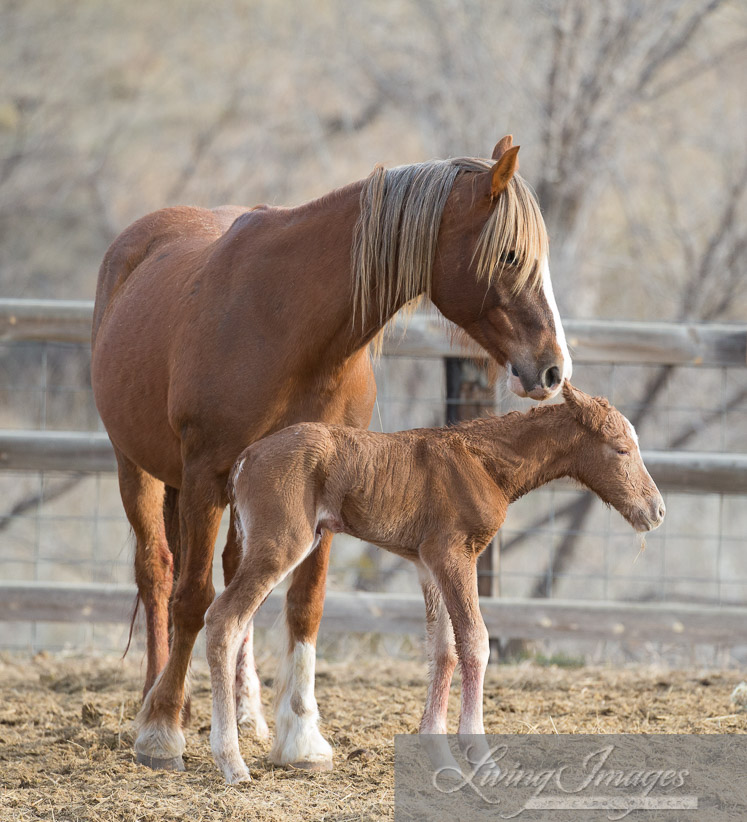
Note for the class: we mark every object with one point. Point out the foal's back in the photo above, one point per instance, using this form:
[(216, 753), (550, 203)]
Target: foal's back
[(390, 489)]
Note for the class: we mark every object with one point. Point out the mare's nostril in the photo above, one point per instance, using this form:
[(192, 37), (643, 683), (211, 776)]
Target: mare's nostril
[(514, 371), (550, 377)]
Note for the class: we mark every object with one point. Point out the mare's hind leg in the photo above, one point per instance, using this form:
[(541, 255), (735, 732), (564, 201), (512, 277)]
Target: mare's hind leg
[(142, 497), (160, 741), (248, 693), (298, 741), (248, 699)]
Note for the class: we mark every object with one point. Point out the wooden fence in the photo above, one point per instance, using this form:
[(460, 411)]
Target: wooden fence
[(590, 342), (358, 612)]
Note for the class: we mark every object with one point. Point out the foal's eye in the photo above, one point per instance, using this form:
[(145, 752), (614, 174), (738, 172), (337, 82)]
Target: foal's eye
[(509, 258), (623, 452)]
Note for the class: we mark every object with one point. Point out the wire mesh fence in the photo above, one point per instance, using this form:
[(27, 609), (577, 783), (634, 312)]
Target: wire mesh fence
[(558, 542)]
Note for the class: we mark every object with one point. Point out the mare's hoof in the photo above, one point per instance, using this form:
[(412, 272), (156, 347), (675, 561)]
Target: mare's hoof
[(239, 779), (312, 764), (171, 763)]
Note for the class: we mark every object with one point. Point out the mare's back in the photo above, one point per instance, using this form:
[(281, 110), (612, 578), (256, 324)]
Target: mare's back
[(157, 241)]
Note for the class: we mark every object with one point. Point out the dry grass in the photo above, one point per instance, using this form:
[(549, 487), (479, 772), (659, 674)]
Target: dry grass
[(65, 735)]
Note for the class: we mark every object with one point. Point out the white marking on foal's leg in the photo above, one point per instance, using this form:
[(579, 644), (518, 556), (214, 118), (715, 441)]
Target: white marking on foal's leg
[(559, 332), (298, 741), (473, 662), (248, 700), (158, 740)]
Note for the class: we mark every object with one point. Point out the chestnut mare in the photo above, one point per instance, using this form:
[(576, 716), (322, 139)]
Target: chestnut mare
[(434, 496), (213, 329)]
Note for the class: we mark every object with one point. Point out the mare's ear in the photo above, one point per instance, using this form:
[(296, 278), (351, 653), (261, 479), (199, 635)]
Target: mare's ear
[(503, 171), (502, 146), (591, 412)]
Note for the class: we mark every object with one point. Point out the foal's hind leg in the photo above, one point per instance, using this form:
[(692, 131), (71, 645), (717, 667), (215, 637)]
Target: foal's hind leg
[(248, 699), (298, 741), (266, 563), (142, 497)]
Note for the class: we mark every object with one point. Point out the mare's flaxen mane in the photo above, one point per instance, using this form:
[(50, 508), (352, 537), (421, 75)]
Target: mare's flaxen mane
[(395, 237)]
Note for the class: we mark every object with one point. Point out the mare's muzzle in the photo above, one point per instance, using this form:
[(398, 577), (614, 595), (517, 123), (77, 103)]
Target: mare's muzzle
[(539, 384)]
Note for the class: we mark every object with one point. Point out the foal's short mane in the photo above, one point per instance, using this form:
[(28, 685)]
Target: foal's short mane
[(395, 237)]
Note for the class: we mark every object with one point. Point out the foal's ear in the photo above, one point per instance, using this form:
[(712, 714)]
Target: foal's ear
[(591, 412), (503, 170), (502, 146)]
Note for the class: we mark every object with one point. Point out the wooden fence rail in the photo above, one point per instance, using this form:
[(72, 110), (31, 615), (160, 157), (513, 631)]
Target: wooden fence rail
[(591, 341), (405, 614), (72, 451)]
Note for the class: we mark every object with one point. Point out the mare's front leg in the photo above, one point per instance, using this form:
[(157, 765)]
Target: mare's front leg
[(160, 741), (455, 572), (298, 741), (248, 693), (442, 660)]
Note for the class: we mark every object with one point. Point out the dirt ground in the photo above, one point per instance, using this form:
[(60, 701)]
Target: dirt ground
[(66, 735)]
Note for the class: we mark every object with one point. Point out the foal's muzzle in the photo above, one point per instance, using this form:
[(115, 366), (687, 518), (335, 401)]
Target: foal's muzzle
[(652, 515)]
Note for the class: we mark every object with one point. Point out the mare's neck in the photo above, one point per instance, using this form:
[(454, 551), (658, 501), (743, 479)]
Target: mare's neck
[(524, 451), (327, 226)]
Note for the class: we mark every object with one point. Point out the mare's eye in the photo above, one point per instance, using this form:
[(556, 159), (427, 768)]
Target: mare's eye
[(509, 258)]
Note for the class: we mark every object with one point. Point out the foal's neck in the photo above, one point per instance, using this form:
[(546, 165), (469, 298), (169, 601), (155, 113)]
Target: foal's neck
[(525, 451)]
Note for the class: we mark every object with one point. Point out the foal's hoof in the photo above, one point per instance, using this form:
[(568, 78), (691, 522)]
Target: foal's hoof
[(172, 763), (312, 764)]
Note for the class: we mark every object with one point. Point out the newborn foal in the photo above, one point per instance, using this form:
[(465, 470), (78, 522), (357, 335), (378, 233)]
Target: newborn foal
[(434, 496)]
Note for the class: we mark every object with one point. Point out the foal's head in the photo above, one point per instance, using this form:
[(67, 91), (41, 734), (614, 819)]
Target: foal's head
[(504, 300), (609, 461)]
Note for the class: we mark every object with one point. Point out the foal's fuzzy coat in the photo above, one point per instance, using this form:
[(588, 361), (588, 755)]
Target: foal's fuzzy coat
[(434, 496)]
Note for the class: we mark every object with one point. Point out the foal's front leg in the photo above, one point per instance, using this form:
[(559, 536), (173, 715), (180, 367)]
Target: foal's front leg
[(442, 660), (456, 574)]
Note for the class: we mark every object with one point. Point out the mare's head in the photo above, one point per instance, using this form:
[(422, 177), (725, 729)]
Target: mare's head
[(467, 233), (608, 460), (494, 279)]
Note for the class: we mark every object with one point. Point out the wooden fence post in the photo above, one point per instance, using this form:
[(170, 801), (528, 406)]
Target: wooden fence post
[(470, 394)]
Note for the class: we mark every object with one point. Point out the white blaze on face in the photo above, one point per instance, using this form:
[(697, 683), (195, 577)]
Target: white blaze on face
[(559, 333), (632, 431), (634, 437)]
